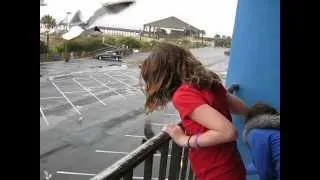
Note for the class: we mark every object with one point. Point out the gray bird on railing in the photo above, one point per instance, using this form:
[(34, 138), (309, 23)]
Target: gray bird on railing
[(79, 26)]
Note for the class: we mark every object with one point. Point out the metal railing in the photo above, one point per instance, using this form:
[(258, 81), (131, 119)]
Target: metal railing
[(179, 168), (124, 167)]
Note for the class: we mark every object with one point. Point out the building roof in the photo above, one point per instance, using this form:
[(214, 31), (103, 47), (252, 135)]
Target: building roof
[(119, 29), (172, 22)]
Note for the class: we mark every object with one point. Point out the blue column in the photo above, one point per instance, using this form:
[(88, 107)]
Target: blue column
[(255, 57)]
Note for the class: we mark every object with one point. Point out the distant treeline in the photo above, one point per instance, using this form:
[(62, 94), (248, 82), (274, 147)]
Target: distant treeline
[(222, 41)]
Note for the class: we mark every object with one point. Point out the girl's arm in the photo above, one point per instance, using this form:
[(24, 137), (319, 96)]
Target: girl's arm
[(221, 130), (236, 105)]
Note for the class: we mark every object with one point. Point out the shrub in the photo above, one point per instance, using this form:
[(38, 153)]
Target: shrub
[(130, 42), (146, 46), (80, 45), (110, 40), (185, 42), (153, 43), (43, 47), (59, 48)]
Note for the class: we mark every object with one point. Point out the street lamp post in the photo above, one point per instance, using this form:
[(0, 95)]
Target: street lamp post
[(66, 41), (47, 32)]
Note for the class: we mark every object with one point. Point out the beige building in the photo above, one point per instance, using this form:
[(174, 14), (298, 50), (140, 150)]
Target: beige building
[(170, 27)]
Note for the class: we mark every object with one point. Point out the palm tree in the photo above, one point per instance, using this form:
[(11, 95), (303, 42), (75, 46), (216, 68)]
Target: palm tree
[(217, 40), (49, 22), (228, 41), (217, 36)]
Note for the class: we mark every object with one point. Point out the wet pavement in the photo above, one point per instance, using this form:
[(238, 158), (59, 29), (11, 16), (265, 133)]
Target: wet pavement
[(91, 114)]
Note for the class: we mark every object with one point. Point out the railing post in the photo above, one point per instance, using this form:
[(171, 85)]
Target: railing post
[(184, 164), (163, 161), (175, 162), (128, 175), (148, 164)]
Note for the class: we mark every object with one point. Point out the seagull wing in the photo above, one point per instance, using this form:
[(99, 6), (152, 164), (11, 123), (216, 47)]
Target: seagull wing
[(116, 7), (74, 32), (96, 15), (76, 19), (108, 8)]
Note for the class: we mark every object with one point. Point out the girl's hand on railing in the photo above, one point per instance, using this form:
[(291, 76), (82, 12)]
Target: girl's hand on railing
[(176, 133)]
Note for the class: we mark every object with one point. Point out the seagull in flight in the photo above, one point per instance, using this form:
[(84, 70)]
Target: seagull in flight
[(79, 26)]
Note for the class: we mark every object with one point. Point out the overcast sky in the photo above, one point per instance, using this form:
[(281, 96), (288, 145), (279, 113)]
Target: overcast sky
[(213, 16)]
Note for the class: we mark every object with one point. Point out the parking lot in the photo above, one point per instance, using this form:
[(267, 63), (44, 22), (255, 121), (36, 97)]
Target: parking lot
[(91, 114)]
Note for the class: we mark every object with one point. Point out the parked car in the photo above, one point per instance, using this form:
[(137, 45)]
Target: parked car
[(109, 54)]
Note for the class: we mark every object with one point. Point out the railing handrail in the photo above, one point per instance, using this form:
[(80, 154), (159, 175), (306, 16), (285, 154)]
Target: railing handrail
[(133, 159)]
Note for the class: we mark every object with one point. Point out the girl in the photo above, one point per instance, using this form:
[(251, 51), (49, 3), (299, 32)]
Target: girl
[(172, 73)]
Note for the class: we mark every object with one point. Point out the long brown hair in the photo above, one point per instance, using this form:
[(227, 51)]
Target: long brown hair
[(166, 68)]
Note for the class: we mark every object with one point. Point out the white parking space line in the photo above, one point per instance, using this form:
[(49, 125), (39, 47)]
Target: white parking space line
[(135, 136), (44, 117), (135, 177), (47, 98), (89, 174), (71, 92), (86, 89), (157, 124), (128, 85), (97, 87), (91, 77), (131, 74), (168, 114), (131, 71), (59, 90), (159, 155), (134, 78), (125, 153), (111, 152), (105, 91), (75, 173)]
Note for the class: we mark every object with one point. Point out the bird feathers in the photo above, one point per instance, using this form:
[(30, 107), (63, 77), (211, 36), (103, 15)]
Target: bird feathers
[(79, 26)]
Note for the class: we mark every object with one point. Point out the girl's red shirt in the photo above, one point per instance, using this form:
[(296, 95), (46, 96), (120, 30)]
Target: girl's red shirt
[(221, 161)]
